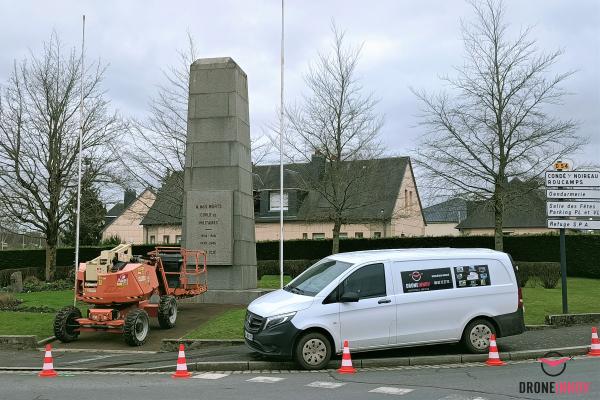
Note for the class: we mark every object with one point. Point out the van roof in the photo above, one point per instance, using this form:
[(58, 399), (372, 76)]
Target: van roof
[(415, 254)]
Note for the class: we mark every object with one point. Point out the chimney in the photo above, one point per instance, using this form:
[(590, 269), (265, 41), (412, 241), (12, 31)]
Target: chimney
[(317, 165), (128, 197)]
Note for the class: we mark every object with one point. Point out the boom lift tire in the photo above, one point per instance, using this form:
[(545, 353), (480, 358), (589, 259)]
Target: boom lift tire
[(167, 312), (137, 325), (65, 324)]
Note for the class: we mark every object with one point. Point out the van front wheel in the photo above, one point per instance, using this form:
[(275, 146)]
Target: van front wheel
[(313, 351), (476, 336)]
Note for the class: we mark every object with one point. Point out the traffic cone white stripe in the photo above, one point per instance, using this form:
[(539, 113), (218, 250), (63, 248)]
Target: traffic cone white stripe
[(48, 366)]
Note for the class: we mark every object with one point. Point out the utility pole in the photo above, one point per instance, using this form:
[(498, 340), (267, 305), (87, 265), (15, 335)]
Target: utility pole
[(79, 163), (281, 122)]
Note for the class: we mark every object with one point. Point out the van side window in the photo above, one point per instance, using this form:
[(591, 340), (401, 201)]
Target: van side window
[(367, 282)]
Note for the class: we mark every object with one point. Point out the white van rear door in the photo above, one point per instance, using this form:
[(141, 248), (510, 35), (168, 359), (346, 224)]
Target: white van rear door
[(370, 322)]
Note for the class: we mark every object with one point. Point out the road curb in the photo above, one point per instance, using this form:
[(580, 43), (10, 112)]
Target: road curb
[(358, 363), (46, 341), (173, 344)]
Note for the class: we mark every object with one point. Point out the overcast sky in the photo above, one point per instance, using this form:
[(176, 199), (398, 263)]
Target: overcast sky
[(406, 43)]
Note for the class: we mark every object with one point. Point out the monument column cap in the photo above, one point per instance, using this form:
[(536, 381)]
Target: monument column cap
[(216, 62)]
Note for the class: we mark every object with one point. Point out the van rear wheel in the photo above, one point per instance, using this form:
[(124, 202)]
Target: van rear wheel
[(476, 337), (313, 351)]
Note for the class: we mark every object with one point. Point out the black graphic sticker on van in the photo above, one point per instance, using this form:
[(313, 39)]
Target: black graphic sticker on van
[(472, 276), (423, 280)]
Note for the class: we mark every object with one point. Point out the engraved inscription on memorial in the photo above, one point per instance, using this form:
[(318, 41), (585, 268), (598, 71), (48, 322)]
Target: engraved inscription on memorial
[(209, 216)]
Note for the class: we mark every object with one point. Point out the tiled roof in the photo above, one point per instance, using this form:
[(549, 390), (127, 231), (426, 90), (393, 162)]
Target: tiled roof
[(385, 181)]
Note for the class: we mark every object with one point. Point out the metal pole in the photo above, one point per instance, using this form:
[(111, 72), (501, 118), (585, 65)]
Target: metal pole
[(281, 155), (563, 271), (79, 165)]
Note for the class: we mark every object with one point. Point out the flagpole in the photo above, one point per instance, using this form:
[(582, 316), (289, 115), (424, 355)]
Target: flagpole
[(78, 213), (281, 154)]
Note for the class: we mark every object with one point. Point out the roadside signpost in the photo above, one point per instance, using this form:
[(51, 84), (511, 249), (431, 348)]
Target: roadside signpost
[(573, 203)]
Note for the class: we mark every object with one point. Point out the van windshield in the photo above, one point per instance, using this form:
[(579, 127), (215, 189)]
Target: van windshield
[(315, 278)]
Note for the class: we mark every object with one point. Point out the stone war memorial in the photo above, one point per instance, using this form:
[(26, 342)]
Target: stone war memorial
[(218, 210)]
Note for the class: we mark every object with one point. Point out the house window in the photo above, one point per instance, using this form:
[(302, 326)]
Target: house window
[(376, 235), (166, 239), (305, 236), (358, 235), (318, 236), (275, 204), (178, 239), (343, 235), (410, 201), (152, 239), (405, 198)]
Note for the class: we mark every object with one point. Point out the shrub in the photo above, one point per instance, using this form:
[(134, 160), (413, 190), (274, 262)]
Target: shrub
[(8, 301), (523, 275), (546, 273), (549, 275), (32, 284), (112, 240)]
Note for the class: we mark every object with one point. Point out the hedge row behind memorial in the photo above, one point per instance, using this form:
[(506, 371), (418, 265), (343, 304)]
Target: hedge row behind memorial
[(583, 251)]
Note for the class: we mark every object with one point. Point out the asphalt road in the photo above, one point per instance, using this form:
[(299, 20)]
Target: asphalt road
[(411, 383)]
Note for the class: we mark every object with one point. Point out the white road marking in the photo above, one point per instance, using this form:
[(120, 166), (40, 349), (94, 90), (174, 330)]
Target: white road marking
[(210, 376), (265, 379), (326, 385), (461, 397), (87, 359), (391, 390)]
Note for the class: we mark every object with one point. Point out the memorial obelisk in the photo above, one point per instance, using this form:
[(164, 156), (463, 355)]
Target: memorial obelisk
[(218, 208)]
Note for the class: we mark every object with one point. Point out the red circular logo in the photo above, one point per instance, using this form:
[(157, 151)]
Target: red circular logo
[(416, 276)]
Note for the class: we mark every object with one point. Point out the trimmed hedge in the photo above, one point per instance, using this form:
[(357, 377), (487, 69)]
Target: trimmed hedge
[(64, 256), (292, 268), (583, 251)]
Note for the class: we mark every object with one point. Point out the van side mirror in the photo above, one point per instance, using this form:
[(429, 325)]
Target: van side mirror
[(349, 297)]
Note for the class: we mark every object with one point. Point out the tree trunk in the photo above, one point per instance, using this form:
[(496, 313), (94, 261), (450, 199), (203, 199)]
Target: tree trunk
[(498, 219), (337, 225), (50, 261)]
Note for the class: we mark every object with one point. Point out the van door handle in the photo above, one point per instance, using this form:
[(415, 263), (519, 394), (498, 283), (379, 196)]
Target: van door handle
[(384, 301)]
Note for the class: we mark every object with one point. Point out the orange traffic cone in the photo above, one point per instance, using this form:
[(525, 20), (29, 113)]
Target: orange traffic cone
[(595, 348), (181, 371), (346, 367), (48, 367), (493, 358)]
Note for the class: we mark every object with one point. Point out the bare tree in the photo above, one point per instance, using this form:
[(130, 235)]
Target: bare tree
[(158, 144), (496, 123), (337, 121), (39, 138)]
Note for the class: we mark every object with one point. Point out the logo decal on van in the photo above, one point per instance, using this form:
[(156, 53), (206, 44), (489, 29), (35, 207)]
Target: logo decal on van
[(472, 276), (427, 279)]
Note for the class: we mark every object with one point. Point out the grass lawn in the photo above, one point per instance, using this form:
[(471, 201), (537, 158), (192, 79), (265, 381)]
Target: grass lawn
[(272, 281), (229, 325), (51, 299), (583, 295), (26, 323)]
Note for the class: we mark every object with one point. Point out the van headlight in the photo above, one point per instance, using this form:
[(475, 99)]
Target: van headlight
[(278, 319)]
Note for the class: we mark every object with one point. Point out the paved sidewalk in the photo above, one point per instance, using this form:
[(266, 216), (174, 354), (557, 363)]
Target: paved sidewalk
[(531, 340)]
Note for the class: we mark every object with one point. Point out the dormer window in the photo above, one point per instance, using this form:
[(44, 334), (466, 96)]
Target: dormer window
[(275, 201)]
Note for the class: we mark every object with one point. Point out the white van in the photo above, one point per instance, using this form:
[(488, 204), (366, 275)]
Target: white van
[(383, 299)]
